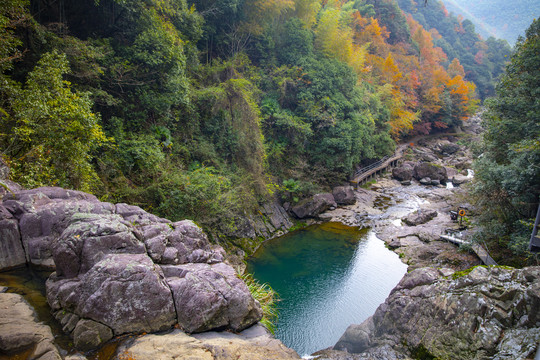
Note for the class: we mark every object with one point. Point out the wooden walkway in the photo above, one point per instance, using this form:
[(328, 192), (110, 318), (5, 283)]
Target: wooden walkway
[(477, 248), (371, 171)]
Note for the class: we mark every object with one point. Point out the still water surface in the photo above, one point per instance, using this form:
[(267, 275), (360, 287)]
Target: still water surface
[(328, 277)]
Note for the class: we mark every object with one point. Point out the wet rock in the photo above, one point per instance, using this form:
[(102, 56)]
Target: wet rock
[(406, 183), (418, 217), (425, 181), (403, 173), (20, 333), (314, 206), (252, 344), (11, 248), (89, 335), (490, 313), (460, 179), (430, 170), (344, 195)]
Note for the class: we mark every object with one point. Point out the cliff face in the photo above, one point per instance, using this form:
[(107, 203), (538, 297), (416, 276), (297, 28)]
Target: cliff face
[(490, 313), (120, 269)]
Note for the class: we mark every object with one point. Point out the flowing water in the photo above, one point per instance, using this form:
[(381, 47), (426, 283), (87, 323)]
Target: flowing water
[(328, 277)]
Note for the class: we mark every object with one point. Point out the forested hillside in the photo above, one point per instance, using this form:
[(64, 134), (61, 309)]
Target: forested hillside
[(500, 18), (483, 60), (508, 175), (205, 109)]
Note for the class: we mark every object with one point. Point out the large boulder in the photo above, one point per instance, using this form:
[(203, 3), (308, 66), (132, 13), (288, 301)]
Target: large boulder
[(418, 217), (105, 273), (122, 270), (126, 292), (200, 307), (44, 213), (313, 206), (403, 173), (344, 195), (20, 335), (445, 147), (429, 170), (489, 313)]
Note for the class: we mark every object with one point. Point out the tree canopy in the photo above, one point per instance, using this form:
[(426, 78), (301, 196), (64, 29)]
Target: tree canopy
[(508, 175)]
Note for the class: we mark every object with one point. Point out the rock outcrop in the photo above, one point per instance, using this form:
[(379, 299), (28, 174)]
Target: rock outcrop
[(344, 195), (122, 270), (419, 217), (252, 344), (403, 173), (489, 313), (428, 170), (20, 335), (314, 205)]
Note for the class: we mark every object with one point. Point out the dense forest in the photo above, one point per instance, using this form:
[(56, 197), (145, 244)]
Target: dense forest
[(508, 171), (206, 109)]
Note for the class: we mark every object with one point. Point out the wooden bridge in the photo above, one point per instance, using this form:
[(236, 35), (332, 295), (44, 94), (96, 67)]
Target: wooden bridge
[(363, 175), (477, 248)]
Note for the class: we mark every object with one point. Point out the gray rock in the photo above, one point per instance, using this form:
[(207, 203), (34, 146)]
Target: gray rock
[(314, 206), (460, 179), (11, 249), (68, 320), (418, 217), (394, 244), (406, 182), (403, 173), (425, 181), (447, 148), (344, 195), (88, 239), (435, 182), (490, 313), (126, 292), (201, 308), (356, 338), (429, 170), (89, 335), (20, 333)]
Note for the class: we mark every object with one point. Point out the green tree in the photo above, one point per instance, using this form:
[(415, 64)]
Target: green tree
[(51, 131), (508, 175)]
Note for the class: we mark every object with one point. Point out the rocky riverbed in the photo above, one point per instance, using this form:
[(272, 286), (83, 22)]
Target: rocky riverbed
[(439, 309)]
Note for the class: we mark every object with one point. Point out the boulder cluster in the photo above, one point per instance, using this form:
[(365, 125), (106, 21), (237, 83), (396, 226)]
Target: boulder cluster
[(319, 203), (489, 313), (119, 269)]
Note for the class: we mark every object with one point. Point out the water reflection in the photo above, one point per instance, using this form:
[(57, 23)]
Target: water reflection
[(328, 277)]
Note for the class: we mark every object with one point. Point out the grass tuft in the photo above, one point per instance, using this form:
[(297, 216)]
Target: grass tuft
[(268, 299)]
